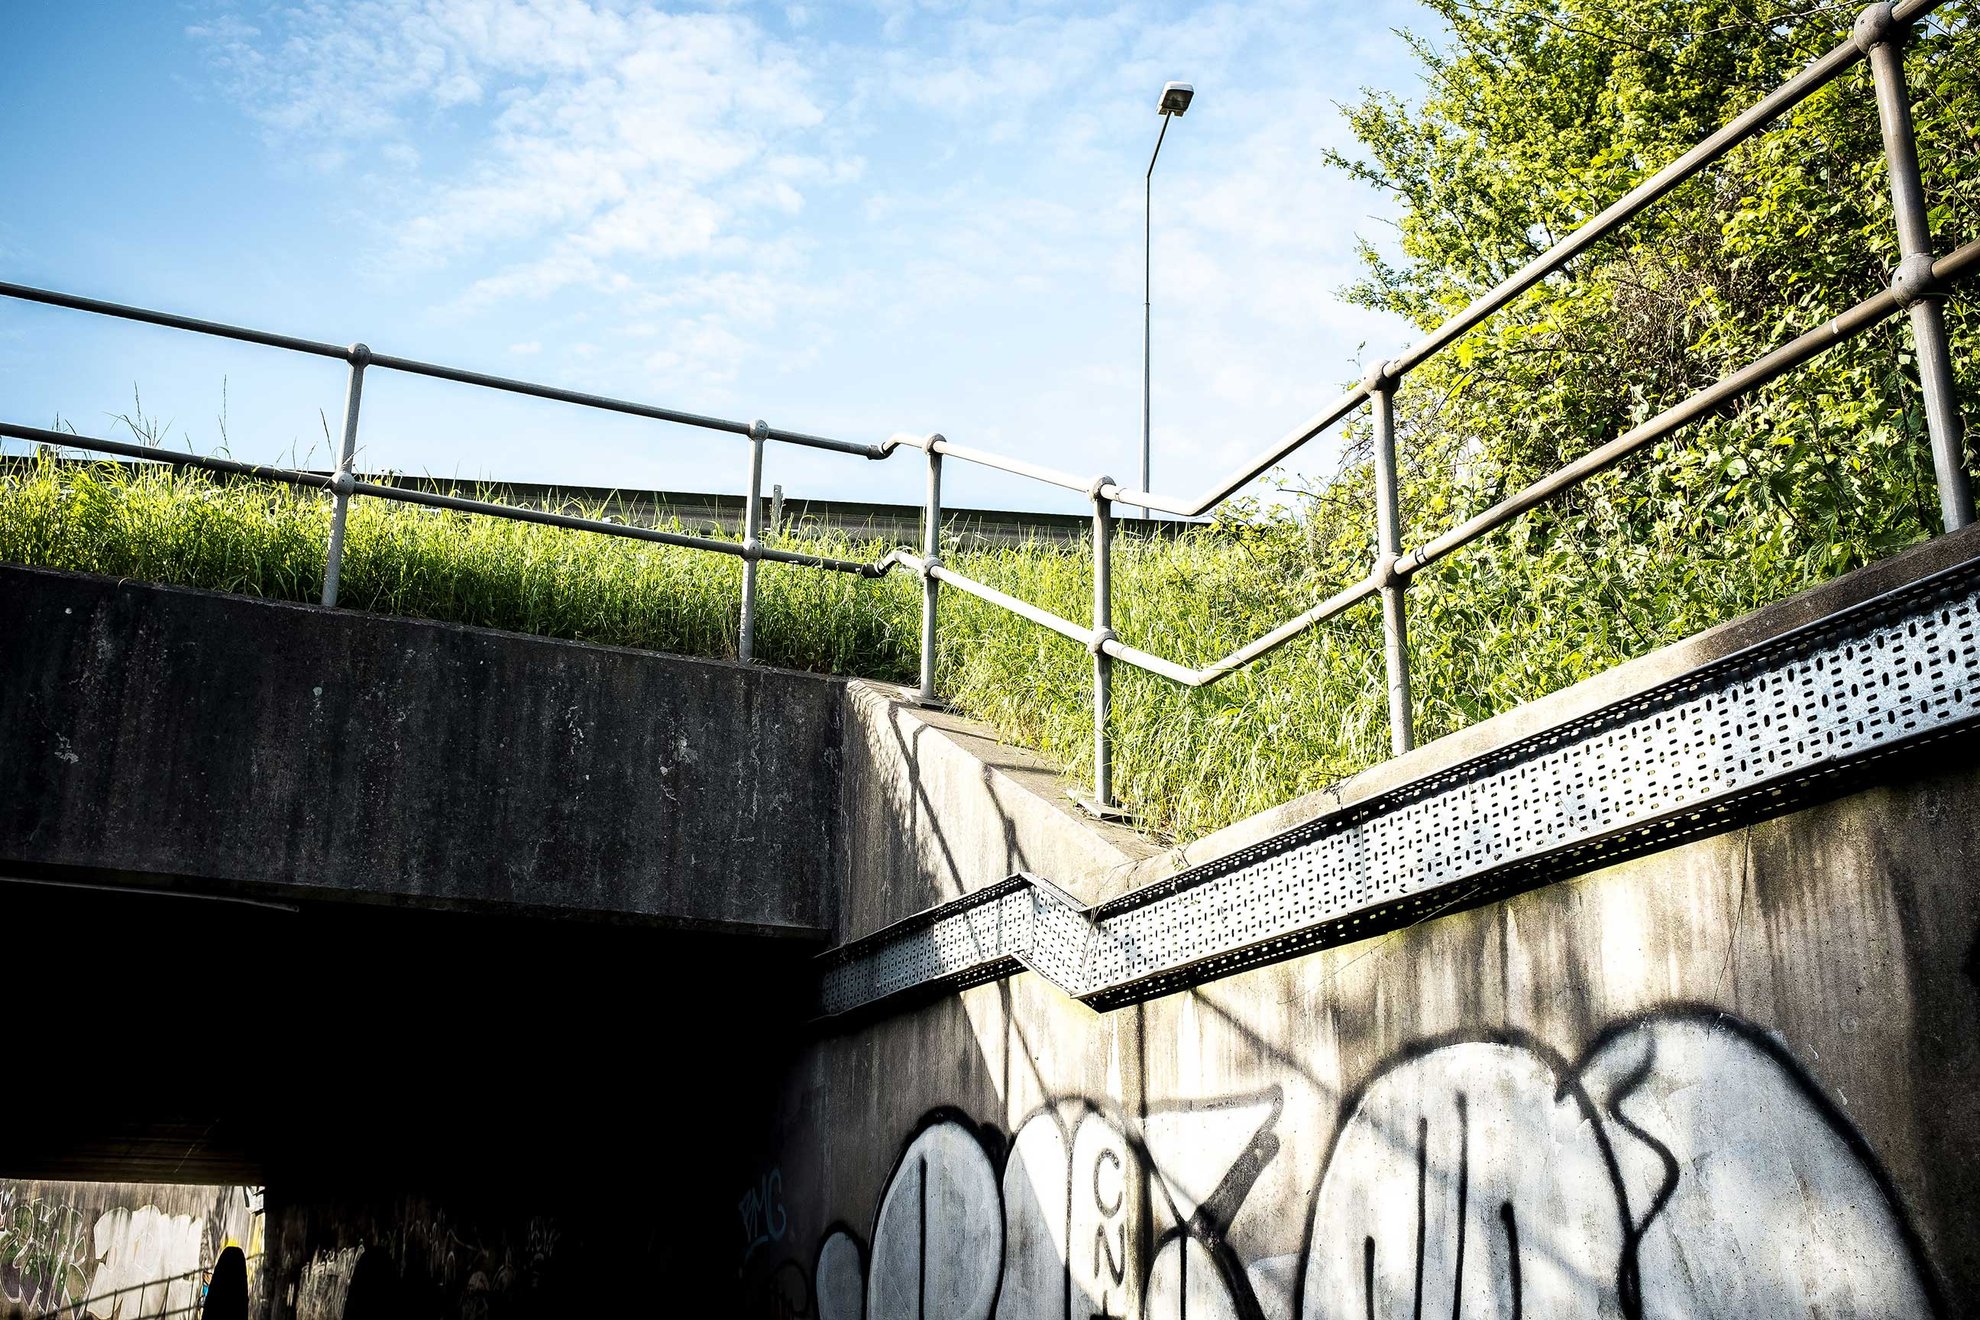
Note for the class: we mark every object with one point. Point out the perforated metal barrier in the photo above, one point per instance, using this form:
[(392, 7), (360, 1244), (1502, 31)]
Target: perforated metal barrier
[(1745, 736)]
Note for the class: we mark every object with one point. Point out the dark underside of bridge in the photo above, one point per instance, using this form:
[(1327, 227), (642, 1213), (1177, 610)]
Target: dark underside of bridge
[(374, 1065)]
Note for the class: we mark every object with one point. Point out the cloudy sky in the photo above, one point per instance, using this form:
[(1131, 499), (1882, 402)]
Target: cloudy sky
[(856, 218)]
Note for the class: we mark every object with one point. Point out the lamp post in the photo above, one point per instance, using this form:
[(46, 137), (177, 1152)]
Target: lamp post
[(1175, 100)]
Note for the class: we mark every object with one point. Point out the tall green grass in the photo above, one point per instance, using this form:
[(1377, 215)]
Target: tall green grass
[(1512, 619)]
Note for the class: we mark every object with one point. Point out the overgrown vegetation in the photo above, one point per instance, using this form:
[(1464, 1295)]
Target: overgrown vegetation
[(1536, 114)]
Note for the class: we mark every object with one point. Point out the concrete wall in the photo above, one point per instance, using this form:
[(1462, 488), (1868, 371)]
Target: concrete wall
[(934, 809), (162, 736), (105, 1251), (187, 737), (1734, 1079)]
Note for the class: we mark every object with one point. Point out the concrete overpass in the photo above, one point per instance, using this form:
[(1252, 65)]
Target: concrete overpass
[(537, 979), (327, 901)]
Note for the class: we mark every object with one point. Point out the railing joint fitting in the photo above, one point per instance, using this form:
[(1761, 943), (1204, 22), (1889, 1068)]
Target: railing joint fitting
[(1095, 486), (1913, 280), (359, 355), (1877, 25), (343, 482), (759, 430), (929, 563), (1385, 574), (1381, 377), (1097, 641), (752, 549)]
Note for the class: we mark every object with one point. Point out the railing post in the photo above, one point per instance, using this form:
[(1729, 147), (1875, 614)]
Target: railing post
[(1103, 632), (1881, 38), (931, 550), (759, 430), (1388, 548), (344, 479)]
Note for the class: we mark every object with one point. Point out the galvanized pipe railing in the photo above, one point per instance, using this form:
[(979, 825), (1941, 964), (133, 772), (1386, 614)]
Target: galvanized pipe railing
[(1103, 663), (1918, 286), (931, 550), (333, 558), (752, 543)]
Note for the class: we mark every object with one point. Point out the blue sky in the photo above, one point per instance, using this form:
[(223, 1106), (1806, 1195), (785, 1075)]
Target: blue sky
[(856, 219)]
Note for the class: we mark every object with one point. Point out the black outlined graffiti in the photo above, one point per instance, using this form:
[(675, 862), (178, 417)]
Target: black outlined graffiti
[(1208, 1157), (1685, 1166), (938, 1236)]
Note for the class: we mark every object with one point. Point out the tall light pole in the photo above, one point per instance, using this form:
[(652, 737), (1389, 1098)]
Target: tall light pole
[(1175, 100)]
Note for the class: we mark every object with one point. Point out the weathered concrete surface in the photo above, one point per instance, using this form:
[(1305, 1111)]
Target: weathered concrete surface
[(1732, 1078), (98, 1249), (935, 808), (166, 736), (217, 741), (1758, 1051)]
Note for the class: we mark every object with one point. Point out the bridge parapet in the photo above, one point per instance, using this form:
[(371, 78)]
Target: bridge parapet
[(194, 740)]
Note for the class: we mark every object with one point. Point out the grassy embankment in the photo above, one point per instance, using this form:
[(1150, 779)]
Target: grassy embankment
[(1510, 620)]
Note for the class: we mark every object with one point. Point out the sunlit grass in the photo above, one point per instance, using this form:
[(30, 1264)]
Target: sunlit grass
[(1509, 621)]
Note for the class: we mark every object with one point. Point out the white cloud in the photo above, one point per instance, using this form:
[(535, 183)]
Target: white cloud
[(713, 197)]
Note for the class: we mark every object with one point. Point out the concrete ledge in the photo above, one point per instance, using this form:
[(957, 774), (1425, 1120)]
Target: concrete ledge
[(936, 808), (200, 740)]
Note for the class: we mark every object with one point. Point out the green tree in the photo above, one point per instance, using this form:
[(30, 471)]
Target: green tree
[(1534, 115)]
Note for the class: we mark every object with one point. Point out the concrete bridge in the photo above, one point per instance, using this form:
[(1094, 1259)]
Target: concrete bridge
[(528, 978), (1657, 997)]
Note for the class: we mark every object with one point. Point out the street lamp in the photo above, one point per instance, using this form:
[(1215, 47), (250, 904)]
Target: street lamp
[(1176, 97)]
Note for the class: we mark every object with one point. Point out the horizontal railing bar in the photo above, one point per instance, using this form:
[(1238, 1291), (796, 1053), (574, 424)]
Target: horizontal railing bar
[(605, 403), (1788, 356), (416, 367), (877, 568), (1285, 632), (434, 500), (1015, 466), (1250, 651), (1140, 659), (261, 472), (1957, 264), (543, 517), (413, 366), (1044, 618), (173, 321), (1152, 663), (806, 440)]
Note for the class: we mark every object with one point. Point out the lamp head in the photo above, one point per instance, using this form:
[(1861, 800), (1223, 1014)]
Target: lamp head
[(1176, 97)]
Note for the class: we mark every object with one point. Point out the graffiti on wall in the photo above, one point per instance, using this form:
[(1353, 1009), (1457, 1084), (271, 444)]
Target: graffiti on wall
[(762, 1212), (67, 1250), (1685, 1166), (44, 1253), (412, 1257)]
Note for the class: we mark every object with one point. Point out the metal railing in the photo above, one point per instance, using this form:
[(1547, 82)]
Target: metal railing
[(1917, 286)]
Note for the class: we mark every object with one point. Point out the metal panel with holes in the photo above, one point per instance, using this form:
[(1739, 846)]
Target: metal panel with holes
[(1743, 737)]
